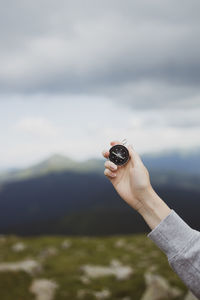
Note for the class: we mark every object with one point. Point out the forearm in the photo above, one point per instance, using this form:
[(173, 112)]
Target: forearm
[(153, 209)]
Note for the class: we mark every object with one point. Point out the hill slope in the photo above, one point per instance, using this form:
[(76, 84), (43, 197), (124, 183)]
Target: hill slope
[(54, 164), (164, 162), (60, 196), (74, 203)]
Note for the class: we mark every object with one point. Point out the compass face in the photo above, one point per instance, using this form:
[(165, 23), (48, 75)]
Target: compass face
[(119, 155)]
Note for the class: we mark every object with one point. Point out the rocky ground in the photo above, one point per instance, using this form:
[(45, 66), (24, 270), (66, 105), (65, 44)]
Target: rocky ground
[(56, 268)]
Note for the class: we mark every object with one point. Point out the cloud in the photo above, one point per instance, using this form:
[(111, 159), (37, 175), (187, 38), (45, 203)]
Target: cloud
[(157, 130), (145, 53), (77, 74), (81, 128), (37, 127)]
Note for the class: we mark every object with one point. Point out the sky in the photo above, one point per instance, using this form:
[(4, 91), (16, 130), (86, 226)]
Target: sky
[(76, 74)]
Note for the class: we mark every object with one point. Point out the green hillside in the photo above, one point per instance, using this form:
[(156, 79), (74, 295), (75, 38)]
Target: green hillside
[(121, 267), (54, 164)]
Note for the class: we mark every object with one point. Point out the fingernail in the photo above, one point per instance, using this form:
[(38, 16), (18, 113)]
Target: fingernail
[(113, 167)]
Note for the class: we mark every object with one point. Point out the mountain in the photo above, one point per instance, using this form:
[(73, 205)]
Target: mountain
[(174, 161), (187, 162), (54, 164), (164, 162), (84, 204), (62, 196)]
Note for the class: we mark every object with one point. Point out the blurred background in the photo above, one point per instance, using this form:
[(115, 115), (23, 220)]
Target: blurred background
[(74, 76)]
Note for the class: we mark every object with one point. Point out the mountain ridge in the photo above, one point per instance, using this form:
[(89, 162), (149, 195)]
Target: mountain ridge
[(167, 161), (54, 164)]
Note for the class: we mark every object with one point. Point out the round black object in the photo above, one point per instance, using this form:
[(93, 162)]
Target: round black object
[(119, 155)]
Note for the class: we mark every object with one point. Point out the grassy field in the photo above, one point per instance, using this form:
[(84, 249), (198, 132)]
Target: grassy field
[(81, 268)]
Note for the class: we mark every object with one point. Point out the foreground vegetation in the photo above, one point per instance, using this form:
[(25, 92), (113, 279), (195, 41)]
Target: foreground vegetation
[(82, 268)]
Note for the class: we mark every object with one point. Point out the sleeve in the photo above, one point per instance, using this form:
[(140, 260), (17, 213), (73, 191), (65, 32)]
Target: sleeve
[(181, 244)]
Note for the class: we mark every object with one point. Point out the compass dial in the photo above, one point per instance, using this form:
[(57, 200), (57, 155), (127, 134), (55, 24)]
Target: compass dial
[(119, 155)]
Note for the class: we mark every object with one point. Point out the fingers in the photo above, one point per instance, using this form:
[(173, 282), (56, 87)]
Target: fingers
[(111, 166), (110, 169), (109, 174), (105, 153), (113, 143)]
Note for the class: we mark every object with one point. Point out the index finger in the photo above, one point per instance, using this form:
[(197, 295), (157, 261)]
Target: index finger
[(106, 153), (113, 143)]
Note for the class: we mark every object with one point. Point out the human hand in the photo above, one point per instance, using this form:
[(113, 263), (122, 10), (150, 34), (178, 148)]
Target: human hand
[(131, 181)]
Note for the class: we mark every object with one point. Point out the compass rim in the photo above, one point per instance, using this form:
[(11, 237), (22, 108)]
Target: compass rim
[(127, 155)]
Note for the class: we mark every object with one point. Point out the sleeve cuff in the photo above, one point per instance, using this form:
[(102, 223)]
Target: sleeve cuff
[(172, 235)]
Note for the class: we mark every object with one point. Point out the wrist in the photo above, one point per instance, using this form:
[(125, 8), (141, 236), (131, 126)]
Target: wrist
[(152, 208)]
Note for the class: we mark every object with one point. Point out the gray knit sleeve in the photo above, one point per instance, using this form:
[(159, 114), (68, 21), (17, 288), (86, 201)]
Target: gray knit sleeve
[(181, 244)]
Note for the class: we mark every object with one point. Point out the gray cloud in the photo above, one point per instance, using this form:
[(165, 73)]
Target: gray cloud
[(145, 52)]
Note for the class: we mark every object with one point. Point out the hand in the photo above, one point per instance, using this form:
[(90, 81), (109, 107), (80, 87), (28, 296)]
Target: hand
[(131, 181)]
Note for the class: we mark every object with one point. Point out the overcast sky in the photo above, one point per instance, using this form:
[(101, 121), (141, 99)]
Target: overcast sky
[(76, 74)]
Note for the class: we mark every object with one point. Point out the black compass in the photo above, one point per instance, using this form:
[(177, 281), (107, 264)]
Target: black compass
[(119, 155)]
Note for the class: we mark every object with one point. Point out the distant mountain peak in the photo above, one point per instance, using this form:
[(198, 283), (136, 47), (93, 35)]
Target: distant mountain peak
[(58, 157), (53, 164), (167, 161), (57, 161)]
